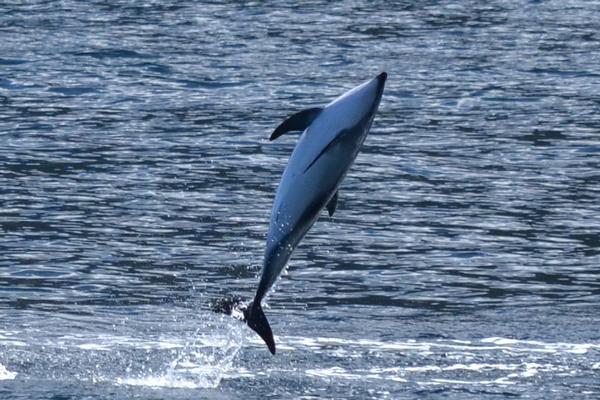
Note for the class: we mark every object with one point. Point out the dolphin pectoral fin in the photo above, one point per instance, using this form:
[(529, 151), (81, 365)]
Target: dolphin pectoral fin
[(297, 122), (332, 204), (256, 319)]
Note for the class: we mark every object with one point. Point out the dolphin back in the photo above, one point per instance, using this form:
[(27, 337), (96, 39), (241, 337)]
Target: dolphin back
[(257, 320)]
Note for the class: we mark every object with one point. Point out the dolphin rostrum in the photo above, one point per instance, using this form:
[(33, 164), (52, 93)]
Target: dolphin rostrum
[(332, 137)]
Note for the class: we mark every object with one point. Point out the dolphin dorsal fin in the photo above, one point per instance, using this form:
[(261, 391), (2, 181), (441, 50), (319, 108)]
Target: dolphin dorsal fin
[(332, 204), (297, 122)]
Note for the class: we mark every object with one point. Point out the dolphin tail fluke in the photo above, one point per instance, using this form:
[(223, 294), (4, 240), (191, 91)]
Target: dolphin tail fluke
[(256, 319)]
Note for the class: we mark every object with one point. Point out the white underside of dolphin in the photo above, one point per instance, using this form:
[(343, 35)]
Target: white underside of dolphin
[(331, 139)]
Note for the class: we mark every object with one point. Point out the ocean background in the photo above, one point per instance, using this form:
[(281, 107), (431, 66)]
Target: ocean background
[(136, 183)]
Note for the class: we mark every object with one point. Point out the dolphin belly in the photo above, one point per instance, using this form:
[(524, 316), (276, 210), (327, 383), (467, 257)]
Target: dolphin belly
[(295, 211)]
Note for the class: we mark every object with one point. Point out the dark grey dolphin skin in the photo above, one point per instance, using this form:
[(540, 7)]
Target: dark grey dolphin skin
[(331, 139)]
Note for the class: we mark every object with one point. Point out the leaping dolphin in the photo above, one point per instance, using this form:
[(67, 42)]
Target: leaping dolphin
[(332, 137)]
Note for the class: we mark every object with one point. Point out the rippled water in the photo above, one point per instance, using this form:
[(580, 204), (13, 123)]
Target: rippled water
[(136, 181)]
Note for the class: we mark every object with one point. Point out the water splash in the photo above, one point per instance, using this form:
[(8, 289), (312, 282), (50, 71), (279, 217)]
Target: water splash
[(167, 350), (6, 374), (201, 363)]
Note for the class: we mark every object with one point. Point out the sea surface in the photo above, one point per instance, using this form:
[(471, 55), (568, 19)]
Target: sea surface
[(136, 183)]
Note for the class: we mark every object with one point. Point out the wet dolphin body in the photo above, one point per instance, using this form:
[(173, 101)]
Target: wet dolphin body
[(332, 137)]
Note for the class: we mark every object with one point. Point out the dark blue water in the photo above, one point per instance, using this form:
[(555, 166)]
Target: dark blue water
[(136, 181)]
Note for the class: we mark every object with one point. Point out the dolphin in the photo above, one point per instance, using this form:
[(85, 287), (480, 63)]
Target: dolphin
[(330, 141)]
